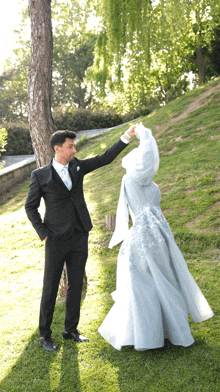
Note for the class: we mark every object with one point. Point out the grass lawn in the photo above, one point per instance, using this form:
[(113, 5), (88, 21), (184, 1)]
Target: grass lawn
[(189, 179)]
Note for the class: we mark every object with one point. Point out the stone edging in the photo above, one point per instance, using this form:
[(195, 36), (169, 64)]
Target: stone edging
[(15, 173)]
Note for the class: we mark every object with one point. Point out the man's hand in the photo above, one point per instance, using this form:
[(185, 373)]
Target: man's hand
[(45, 240), (131, 130)]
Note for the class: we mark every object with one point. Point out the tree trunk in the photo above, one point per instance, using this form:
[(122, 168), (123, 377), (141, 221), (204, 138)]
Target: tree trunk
[(40, 80), (110, 221), (200, 63)]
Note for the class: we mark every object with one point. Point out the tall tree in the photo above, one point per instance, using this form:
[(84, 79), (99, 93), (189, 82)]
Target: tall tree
[(215, 51), (73, 52), (40, 80), (14, 79), (73, 47), (13, 90), (72, 56), (197, 31)]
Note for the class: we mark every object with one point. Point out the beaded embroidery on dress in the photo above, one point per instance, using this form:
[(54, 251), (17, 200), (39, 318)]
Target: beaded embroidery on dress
[(155, 291)]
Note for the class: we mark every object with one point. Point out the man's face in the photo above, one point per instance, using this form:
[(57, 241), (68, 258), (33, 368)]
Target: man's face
[(66, 151)]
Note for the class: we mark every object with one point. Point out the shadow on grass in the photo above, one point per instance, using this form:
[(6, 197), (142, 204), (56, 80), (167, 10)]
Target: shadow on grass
[(38, 370), (168, 368)]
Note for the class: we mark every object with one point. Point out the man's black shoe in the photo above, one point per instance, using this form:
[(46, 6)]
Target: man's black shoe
[(75, 336), (48, 344)]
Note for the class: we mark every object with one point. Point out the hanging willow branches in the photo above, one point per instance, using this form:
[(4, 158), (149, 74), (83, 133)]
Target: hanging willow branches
[(124, 23), (145, 29)]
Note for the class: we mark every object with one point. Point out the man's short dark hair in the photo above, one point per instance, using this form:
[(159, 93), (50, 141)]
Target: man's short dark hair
[(59, 137)]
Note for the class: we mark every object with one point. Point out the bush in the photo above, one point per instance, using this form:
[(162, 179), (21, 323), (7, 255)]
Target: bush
[(3, 142), (84, 119), (19, 140), (136, 113)]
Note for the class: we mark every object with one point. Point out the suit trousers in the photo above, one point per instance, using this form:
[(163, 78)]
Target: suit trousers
[(73, 251)]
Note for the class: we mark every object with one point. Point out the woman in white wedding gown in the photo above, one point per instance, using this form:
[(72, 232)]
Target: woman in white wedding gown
[(155, 291)]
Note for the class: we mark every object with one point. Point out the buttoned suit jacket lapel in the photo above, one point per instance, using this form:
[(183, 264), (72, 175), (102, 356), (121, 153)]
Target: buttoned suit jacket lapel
[(53, 180)]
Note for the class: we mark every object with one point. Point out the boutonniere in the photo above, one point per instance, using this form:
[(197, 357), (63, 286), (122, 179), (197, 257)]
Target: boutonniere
[(78, 168)]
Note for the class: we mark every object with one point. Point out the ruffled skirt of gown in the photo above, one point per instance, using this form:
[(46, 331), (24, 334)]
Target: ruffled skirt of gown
[(155, 291)]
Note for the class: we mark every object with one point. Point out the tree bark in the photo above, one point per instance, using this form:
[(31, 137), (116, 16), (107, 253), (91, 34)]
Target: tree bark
[(110, 221), (201, 64), (40, 80)]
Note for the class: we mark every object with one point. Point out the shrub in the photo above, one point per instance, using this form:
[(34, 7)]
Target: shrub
[(3, 142), (84, 119), (19, 140), (136, 113)]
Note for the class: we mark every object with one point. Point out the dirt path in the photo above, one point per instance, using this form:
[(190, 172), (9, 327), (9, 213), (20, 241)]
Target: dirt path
[(198, 103)]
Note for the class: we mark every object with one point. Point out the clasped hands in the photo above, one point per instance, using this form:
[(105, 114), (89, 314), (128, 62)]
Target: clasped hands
[(131, 131)]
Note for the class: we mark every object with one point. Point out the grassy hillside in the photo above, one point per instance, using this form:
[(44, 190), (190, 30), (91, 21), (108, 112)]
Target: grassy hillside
[(188, 135), (189, 175)]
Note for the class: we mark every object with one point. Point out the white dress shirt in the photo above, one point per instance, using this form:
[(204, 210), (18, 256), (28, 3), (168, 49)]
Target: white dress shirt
[(63, 172)]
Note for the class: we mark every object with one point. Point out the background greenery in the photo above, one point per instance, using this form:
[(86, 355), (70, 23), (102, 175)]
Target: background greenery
[(18, 134), (187, 133), (18, 140), (118, 55)]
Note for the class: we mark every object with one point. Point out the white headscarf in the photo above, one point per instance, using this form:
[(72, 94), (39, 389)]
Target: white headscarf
[(141, 165)]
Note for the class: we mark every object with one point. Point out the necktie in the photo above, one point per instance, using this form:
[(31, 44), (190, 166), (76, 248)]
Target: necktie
[(66, 177)]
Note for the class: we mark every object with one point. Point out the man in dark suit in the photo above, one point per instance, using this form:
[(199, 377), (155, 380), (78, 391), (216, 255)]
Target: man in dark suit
[(65, 226)]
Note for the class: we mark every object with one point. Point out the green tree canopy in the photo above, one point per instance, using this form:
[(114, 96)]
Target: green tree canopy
[(73, 54), (162, 40)]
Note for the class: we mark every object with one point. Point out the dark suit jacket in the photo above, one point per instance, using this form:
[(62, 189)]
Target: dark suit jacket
[(64, 208)]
